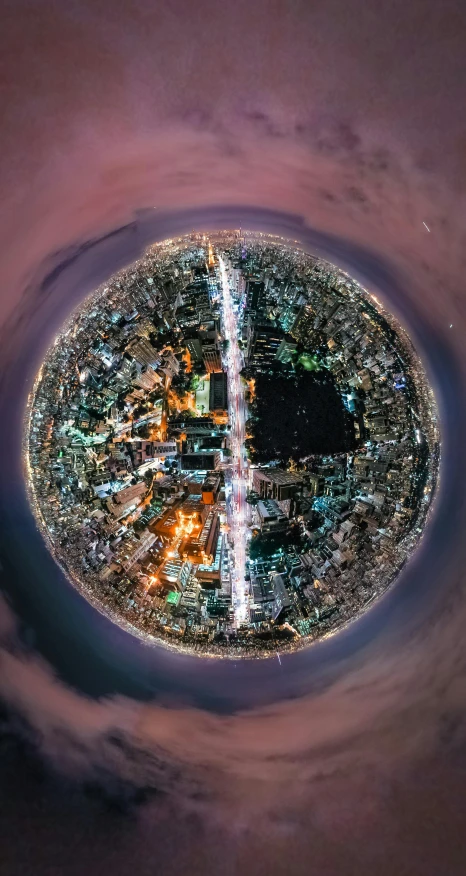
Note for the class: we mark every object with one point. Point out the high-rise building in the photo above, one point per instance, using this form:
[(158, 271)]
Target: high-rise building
[(282, 600), (194, 347), (316, 484), (211, 356), (210, 490), (142, 351), (200, 461), (263, 346), (218, 391), (132, 493), (146, 327), (176, 572), (275, 483), (255, 296), (170, 365), (144, 451), (271, 517), (286, 350), (147, 379), (135, 549)]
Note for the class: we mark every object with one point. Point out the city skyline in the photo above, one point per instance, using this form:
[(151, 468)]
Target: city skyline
[(147, 483)]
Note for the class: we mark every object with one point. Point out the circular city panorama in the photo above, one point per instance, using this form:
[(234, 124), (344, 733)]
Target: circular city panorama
[(232, 448)]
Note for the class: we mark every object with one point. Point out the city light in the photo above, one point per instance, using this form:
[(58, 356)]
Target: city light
[(239, 480), (233, 448)]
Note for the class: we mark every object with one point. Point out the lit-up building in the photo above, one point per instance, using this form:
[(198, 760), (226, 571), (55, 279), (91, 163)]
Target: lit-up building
[(200, 460)]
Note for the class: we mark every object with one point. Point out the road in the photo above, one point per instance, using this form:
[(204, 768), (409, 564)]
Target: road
[(164, 421), (237, 507)]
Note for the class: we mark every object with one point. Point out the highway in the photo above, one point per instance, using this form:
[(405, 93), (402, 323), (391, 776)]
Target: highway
[(237, 506)]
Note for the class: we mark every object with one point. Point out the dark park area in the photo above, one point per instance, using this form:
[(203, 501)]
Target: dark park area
[(296, 415)]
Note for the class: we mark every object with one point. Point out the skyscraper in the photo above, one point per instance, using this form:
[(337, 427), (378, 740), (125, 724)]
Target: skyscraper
[(142, 351)]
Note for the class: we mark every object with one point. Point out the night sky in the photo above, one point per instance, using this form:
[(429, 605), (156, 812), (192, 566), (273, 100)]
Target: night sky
[(343, 126)]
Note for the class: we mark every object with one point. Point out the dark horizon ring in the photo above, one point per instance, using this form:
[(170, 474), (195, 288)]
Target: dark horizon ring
[(88, 650)]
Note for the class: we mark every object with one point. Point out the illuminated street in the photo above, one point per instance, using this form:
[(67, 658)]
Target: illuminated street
[(237, 507), (184, 526)]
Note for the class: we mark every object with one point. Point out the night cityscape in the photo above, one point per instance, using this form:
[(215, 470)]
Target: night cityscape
[(232, 465), (232, 447)]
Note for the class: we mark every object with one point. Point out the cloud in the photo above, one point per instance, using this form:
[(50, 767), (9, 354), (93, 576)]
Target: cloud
[(386, 711), (298, 781)]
